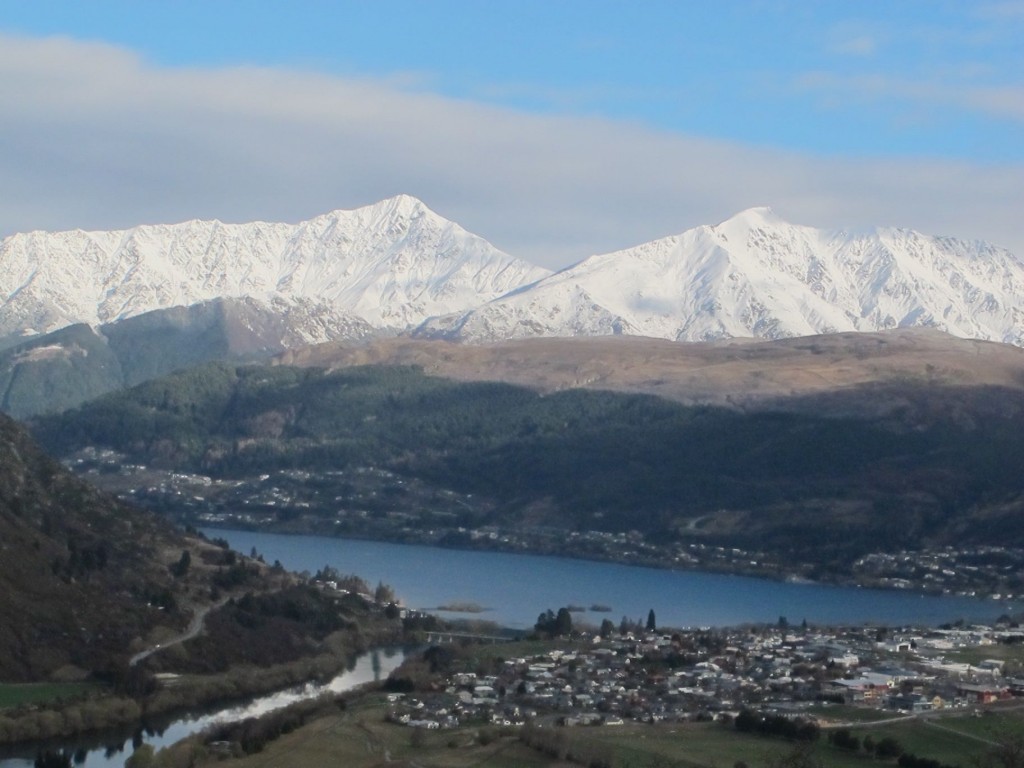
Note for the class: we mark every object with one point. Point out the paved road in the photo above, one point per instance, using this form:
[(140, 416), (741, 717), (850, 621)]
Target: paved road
[(194, 628), (983, 740), (867, 723)]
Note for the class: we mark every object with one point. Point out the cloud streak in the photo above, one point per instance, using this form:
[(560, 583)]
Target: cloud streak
[(93, 137), (1006, 102)]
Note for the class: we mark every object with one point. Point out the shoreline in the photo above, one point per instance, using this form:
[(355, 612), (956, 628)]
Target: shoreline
[(484, 544), (127, 717)]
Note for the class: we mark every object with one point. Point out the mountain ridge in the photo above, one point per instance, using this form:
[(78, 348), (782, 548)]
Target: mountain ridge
[(392, 263), (57, 370), (755, 275), (399, 267)]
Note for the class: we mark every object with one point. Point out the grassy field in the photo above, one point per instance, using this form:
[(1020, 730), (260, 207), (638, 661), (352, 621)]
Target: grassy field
[(1013, 654), (697, 745), (476, 654), (953, 740), (990, 726), (360, 738), (40, 693), (959, 740)]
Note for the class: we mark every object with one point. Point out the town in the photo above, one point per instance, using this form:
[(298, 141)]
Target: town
[(630, 674)]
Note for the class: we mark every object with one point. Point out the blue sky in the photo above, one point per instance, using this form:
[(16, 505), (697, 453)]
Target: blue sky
[(586, 126)]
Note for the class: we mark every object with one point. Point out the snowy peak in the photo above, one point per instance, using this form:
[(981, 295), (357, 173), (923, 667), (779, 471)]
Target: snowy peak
[(751, 218), (756, 275), (392, 264), (397, 265), (739, 229)]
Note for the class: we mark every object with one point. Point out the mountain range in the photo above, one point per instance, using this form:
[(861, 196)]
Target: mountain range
[(756, 275), (392, 264), (398, 266), (82, 313), (759, 437)]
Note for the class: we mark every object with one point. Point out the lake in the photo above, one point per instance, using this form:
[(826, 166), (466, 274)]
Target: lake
[(516, 588)]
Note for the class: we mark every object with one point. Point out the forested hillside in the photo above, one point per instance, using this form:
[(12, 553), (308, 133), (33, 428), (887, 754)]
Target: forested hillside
[(823, 487), (81, 576)]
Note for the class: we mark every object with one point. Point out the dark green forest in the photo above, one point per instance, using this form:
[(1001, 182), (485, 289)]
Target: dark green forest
[(583, 459)]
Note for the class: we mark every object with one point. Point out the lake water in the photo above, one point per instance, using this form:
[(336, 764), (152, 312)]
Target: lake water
[(516, 588)]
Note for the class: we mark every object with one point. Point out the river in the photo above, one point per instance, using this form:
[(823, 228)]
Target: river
[(515, 588), (108, 752)]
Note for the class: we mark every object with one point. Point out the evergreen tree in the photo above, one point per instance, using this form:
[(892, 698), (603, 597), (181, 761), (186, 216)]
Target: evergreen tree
[(563, 622), (383, 594), (651, 623), (180, 568), (554, 624)]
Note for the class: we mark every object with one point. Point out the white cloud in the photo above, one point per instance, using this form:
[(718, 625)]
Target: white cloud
[(1002, 101), (1011, 10), (861, 45), (91, 136), (1006, 101)]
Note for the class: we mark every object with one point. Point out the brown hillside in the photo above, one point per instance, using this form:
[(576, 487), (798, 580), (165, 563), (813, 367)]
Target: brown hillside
[(743, 373), (81, 575)]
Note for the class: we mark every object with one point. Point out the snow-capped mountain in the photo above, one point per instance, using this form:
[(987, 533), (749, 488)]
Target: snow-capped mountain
[(392, 264), (756, 275), (396, 265)]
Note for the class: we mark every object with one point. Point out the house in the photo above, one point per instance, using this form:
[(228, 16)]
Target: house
[(992, 666), (983, 694), (869, 687), (910, 702)]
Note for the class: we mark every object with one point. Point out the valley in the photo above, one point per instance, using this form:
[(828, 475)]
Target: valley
[(382, 506), (100, 600), (841, 697), (589, 684), (832, 411), (783, 487), (511, 385)]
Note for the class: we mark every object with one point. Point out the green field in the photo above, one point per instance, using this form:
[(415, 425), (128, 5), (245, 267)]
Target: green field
[(989, 726), (694, 745), (40, 693), (1010, 654), (714, 745), (360, 738)]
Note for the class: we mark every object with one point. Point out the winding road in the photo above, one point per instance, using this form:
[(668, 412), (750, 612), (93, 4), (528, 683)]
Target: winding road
[(194, 628)]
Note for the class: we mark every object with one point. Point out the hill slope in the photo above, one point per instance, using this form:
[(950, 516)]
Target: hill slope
[(81, 575), (87, 582), (794, 483), (741, 373), (53, 371)]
